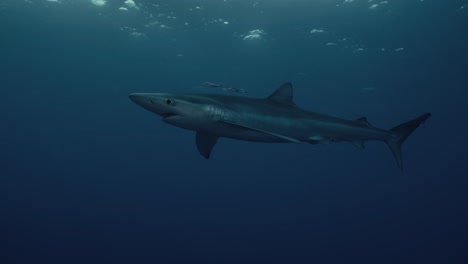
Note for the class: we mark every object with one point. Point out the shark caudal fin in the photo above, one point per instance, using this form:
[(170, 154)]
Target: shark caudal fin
[(402, 132)]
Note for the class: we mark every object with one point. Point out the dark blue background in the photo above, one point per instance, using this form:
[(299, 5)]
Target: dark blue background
[(87, 176)]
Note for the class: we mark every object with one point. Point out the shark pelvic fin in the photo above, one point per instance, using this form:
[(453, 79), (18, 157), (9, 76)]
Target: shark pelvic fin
[(283, 95), (205, 143), (359, 144), (285, 138)]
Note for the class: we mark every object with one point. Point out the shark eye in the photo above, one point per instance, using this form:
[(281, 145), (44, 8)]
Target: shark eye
[(168, 101)]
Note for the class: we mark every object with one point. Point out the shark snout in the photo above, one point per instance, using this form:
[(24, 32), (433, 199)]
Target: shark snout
[(150, 102), (135, 97), (140, 99)]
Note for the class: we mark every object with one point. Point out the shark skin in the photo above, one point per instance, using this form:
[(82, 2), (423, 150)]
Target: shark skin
[(275, 119)]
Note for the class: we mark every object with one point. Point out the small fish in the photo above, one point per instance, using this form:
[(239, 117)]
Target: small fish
[(212, 85), (235, 90), (226, 88)]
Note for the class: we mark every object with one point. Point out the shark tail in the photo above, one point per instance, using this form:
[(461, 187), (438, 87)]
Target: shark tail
[(402, 132)]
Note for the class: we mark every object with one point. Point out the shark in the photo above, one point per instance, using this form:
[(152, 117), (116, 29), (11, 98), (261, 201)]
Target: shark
[(274, 119)]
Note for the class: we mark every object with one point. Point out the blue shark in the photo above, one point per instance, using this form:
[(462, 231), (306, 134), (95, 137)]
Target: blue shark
[(274, 119)]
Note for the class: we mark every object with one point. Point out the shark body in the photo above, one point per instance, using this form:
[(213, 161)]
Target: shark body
[(274, 119)]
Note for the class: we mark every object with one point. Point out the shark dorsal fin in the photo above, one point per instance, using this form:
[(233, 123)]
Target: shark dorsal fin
[(283, 95)]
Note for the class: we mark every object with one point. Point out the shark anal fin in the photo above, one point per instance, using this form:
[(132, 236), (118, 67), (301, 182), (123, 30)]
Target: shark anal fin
[(205, 143), (283, 137), (359, 144)]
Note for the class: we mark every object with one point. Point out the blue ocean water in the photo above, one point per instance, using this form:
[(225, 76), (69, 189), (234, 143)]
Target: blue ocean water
[(87, 176)]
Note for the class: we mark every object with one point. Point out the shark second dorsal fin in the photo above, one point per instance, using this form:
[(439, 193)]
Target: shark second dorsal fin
[(283, 95), (363, 121)]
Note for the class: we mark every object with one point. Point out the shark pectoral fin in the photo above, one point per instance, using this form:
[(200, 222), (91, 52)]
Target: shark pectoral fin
[(205, 143), (286, 138), (359, 144)]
